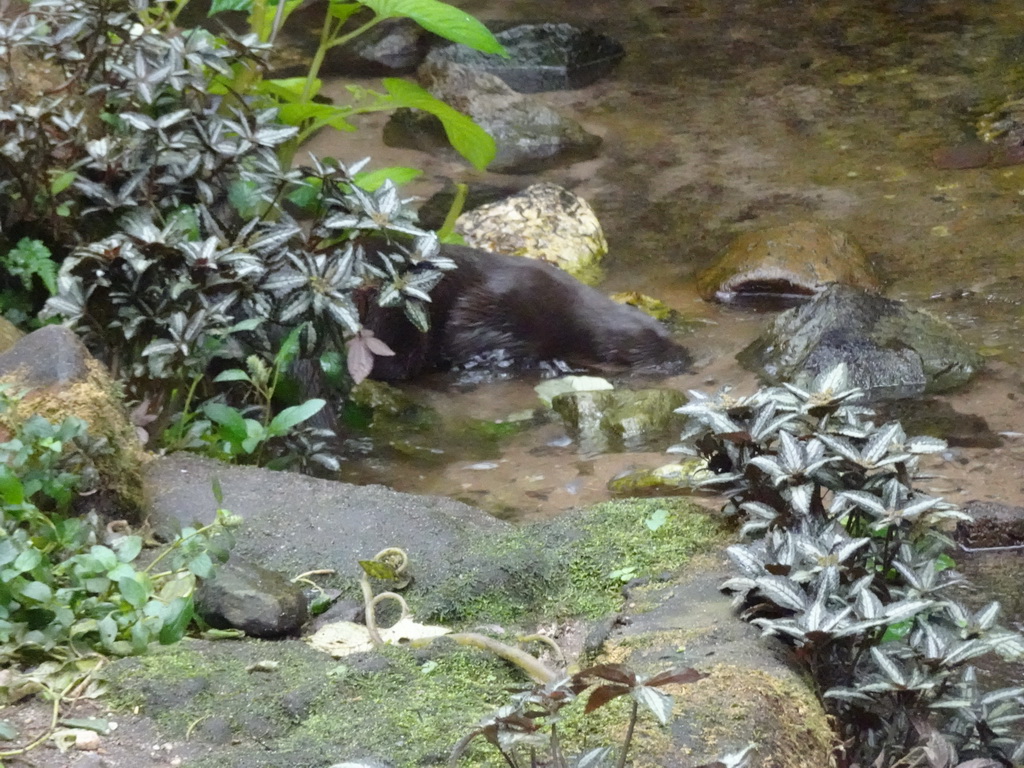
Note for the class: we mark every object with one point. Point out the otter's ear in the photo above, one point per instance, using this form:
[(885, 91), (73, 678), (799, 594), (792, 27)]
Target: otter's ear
[(360, 350)]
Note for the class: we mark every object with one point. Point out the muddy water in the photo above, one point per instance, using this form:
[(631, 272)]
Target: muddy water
[(733, 115)]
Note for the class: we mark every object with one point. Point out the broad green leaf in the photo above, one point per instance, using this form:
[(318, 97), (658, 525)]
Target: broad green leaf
[(288, 90), (371, 181), (296, 414), (321, 114), (219, 6), (201, 566), (657, 519), (7, 731), (128, 548), (108, 631), (342, 10), (469, 139), (132, 591), (12, 491), (235, 374), (36, 590), (105, 557), (27, 560), (177, 616), (229, 418), (246, 198), (442, 19), (62, 182)]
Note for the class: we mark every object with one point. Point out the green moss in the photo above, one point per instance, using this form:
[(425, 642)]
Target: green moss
[(409, 706), (615, 536), (561, 568)]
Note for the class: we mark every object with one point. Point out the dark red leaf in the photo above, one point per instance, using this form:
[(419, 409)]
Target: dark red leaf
[(613, 673), (676, 676), (602, 695)]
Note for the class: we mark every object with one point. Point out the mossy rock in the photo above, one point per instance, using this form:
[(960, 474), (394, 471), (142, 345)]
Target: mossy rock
[(800, 258), (62, 379)]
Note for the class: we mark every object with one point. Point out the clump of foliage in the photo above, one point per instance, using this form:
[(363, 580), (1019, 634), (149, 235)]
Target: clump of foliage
[(67, 585), (850, 568), (156, 163)]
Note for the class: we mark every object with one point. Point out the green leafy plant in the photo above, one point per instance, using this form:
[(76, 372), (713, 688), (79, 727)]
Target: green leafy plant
[(28, 269), (850, 569), (67, 586), (155, 163), (296, 98)]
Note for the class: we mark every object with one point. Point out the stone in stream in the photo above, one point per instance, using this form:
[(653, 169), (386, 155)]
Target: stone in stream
[(891, 350), (797, 259), (530, 135), (541, 57), (544, 222)]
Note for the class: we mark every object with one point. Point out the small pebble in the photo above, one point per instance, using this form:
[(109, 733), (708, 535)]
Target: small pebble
[(87, 741)]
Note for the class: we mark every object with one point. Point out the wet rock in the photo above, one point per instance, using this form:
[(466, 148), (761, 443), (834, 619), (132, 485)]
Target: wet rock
[(394, 46), (62, 379), (799, 259), (891, 350), (994, 525), (541, 57), (256, 600), (664, 480), (530, 136), (543, 222), (51, 356), (609, 419)]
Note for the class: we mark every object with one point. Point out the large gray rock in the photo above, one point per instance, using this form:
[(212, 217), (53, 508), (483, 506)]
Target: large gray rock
[(293, 523), (530, 135), (541, 57), (891, 350)]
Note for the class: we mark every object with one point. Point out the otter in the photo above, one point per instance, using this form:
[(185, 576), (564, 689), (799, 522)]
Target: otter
[(527, 309)]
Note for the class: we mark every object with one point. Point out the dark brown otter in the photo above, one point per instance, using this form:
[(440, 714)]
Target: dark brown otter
[(528, 309)]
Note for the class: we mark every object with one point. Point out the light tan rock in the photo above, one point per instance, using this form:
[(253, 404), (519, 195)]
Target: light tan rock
[(801, 258), (543, 222)]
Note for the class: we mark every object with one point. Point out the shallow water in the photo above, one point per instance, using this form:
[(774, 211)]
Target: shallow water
[(728, 116)]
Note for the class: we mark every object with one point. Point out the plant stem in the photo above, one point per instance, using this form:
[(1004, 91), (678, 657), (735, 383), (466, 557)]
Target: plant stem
[(629, 735)]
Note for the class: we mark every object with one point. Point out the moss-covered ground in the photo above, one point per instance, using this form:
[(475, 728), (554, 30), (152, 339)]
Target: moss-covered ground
[(411, 706)]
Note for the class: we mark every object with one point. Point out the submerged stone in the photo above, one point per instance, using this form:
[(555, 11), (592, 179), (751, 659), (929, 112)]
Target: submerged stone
[(797, 259), (609, 419), (541, 57), (666, 479), (890, 350), (530, 135), (543, 222)]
